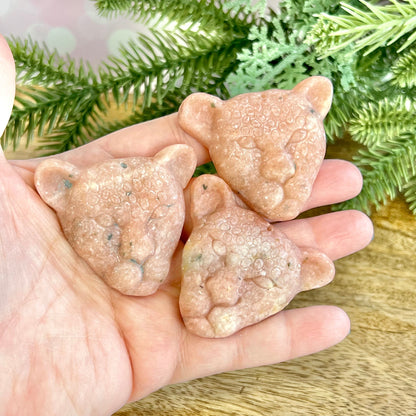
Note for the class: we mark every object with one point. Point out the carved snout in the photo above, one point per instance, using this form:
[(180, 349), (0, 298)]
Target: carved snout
[(136, 243)]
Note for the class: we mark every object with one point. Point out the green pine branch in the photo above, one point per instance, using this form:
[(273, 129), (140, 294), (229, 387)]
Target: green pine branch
[(378, 122), (410, 194), (385, 169), (226, 47), (342, 109), (70, 97), (379, 112), (37, 65), (404, 69), (147, 70), (193, 14), (368, 29), (42, 110), (72, 133), (50, 90)]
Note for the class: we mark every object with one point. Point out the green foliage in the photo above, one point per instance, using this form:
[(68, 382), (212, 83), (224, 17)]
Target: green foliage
[(388, 166), (404, 69), (247, 7), (36, 65), (382, 115), (50, 94), (281, 55), (387, 128), (409, 189), (65, 103), (206, 15), (381, 122), (374, 27), (227, 47), (278, 54), (367, 50)]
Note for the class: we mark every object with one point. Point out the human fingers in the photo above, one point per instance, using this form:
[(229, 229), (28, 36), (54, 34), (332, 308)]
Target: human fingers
[(148, 138), (7, 85), (337, 234), (337, 181), (144, 139), (287, 335)]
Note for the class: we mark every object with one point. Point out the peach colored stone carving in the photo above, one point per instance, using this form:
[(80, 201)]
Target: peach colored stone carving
[(237, 268), (267, 146), (124, 217)]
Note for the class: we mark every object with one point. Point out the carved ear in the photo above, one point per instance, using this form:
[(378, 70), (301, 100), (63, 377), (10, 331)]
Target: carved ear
[(180, 159), (209, 193), (318, 91), (53, 180), (196, 115), (317, 269)]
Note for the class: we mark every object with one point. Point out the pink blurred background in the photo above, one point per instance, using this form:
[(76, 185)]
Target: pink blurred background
[(71, 26)]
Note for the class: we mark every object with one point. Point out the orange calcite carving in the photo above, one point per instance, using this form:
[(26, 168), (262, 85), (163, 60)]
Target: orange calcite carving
[(267, 146), (124, 217), (237, 268)]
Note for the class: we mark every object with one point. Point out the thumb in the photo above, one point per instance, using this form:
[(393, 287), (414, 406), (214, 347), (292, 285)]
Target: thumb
[(7, 85)]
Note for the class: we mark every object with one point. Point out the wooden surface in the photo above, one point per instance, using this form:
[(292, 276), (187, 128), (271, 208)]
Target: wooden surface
[(372, 372)]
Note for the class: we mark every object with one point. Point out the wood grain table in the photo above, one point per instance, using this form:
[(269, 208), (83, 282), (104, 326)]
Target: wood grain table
[(372, 372)]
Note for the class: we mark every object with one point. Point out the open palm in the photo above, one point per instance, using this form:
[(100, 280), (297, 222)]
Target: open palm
[(71, 345)]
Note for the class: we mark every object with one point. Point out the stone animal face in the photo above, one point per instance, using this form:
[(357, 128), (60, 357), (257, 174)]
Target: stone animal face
[(237, 268), (123, 216), (267, 146)]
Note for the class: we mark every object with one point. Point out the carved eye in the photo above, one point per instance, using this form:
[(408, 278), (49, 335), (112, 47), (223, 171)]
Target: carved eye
[(104, 220), (219, 248), (298, 136), (160, 212), (246, 142)]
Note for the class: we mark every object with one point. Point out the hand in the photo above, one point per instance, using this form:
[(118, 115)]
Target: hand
[(71, 345)]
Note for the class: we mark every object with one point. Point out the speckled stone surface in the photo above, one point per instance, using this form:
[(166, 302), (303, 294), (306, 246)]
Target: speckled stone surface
[(123, 216), (267, 146), (237, 268)]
